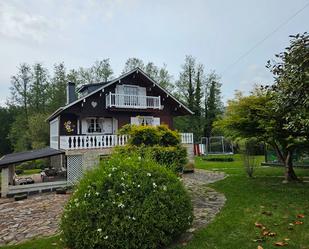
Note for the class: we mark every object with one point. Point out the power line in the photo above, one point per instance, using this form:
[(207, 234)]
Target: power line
[(265, 38)]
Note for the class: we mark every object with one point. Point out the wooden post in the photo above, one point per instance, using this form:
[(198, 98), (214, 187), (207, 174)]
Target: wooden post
[(4, 182)]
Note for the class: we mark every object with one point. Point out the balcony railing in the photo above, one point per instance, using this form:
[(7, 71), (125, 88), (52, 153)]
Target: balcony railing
[(104, 141), (132, 101)]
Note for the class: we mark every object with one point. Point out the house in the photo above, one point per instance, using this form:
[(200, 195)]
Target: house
[(85, 129)]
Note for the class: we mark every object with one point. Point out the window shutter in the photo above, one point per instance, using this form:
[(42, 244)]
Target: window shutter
[(156, 121), (84, 126)]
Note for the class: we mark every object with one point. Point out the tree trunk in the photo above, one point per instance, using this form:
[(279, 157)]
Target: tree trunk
[(289, 170)]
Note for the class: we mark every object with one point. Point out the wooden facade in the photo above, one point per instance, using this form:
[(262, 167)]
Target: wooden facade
[(95, 106)]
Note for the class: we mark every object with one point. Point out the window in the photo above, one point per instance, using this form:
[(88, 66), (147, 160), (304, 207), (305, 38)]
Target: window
[(130, 98), (145, 121), (94, 125)]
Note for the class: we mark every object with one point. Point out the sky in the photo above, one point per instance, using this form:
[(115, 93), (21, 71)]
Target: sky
[(215, 32)]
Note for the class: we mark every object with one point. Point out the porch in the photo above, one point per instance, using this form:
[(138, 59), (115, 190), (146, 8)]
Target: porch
[(98, 141)]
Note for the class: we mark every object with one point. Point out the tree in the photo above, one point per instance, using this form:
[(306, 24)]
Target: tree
[(213, 102), (38, 132), (133, 63), (20, 88), (185, 83), (102, 70), (58, 87), (152, 70), (18, 134), (38, 95), (165, 79), (6, 120), (291, 88)]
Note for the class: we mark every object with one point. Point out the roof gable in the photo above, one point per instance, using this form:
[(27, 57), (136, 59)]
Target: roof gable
[(115, 81)]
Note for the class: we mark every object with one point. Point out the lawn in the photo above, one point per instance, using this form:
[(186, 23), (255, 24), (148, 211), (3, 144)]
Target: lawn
[(263, 199)]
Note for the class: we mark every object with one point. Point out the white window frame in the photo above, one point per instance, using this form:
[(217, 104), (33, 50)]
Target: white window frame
[(97, 123)]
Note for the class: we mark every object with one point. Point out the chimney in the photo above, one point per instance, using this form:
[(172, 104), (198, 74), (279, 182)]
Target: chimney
[(71, 94)]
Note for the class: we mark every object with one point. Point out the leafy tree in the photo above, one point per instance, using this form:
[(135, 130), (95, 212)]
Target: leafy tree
[(165, 79), (213, 102), (58, 87), (102, 70), (20, 88), (6, 120), (291, 88), (38, 132), (185, 84), (152, 70), (132, 63), (18, 134), (38, 94)]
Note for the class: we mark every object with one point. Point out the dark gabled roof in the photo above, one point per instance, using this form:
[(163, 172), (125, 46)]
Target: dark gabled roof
[(92, 85), (136, 70), (20, 157)]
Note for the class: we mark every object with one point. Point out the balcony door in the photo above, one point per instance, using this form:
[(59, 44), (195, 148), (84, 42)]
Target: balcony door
[(131, 95)]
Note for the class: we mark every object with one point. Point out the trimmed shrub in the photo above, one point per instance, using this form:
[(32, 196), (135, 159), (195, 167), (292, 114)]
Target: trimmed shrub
[(172, 157), (151, 135), (128, 203)]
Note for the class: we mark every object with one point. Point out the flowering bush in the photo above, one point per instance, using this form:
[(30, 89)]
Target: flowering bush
[(126, 203)]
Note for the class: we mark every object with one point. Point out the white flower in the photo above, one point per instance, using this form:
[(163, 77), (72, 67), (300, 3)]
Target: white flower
[(121, 205), (106, 237), (109, 175), (133, 218), (97, 193), (99, 230), (154, 184), (148, 174), (164, 188), (138, 186)]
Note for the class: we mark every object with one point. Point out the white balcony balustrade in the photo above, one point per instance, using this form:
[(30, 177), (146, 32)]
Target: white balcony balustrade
[(104, 141), (133, 101)]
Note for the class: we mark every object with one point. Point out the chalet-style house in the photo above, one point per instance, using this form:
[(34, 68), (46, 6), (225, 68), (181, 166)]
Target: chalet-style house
[(85, 129)]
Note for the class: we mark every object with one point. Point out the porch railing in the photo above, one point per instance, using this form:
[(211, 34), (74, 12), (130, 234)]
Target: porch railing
[(91, 141), (132, 101), (104, 141)]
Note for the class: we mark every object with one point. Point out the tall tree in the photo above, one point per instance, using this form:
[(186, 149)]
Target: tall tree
[(21, 87), (132, 63), (102, 70), (6, 120), (185, 83), (152, 70), (38, 96), (58, 86), (165, 79), (213, 103)]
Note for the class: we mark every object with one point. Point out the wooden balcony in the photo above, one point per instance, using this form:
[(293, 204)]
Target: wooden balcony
[(133, 101), (104, 141)]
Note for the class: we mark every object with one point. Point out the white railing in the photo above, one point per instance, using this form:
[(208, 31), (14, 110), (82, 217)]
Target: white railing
[(104, 141), (186, 138), (132, 101), (91, 141)]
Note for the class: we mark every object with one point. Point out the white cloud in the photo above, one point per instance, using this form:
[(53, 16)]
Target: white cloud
[(17, 23)]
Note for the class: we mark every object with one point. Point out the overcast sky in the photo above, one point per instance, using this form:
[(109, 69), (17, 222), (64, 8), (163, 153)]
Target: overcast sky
[(216, 32)]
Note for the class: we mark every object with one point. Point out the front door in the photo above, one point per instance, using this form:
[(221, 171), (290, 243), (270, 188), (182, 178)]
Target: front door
[(107, 126)]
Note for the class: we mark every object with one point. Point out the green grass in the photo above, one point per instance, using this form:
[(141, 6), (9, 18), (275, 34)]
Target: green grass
[(247, 199)]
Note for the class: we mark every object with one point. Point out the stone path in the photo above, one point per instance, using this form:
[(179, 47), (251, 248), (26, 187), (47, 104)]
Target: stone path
[(206, 201), (36, 216)]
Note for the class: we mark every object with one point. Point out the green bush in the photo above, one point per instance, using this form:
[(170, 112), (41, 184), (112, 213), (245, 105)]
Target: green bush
[(172, 157), (128, 203), (35, 164), (151, 135)]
